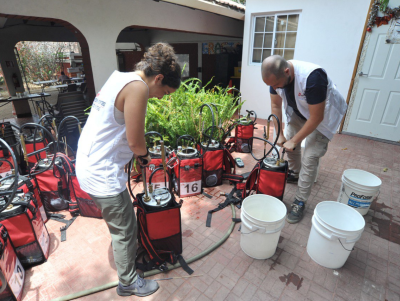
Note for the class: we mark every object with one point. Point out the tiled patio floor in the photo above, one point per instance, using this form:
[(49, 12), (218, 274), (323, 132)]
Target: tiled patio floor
[(372, 271)]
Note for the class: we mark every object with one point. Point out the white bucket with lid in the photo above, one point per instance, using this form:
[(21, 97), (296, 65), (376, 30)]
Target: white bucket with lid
[(263, 218), (359, 188), (335, 229)]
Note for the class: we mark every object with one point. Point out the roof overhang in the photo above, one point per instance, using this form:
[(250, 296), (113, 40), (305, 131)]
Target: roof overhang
[(220, 7)]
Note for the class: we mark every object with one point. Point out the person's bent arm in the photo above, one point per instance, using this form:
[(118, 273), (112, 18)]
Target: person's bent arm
[(135, 95), (276, 109), (316, 117)]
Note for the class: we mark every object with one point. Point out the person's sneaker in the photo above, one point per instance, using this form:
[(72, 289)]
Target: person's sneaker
[(297, 212), (292, 177), (140, 288)]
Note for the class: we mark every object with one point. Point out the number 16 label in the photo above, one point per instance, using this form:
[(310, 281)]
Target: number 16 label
[(190, 188)]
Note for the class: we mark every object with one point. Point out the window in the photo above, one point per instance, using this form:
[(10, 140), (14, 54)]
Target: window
[(274, 34)]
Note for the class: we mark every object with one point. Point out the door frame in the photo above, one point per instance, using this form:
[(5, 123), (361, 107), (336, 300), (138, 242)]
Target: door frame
[(356, 64)]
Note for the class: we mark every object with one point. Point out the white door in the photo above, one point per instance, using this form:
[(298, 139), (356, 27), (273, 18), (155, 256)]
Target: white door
[(376, 107)]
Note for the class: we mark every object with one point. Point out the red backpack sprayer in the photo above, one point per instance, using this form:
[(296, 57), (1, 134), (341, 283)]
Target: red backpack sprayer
[(188, 170), (267, 177), (218, 164), (270, 172), (158, 181), (23, 182), (9, 133), (80, 203), (12, 274), (53, 191), (159, 222), (20, 214), (244, 131)]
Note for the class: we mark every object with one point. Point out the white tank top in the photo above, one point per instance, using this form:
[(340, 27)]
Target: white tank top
[(103, 148)]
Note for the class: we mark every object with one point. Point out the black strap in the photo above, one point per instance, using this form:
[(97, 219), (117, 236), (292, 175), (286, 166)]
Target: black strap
[(55, 216), (147, 265), (233, 178), (230, 199), (184, 265), (29, 185), (246, 175), (206, 194), (64, 229), (236, 220)]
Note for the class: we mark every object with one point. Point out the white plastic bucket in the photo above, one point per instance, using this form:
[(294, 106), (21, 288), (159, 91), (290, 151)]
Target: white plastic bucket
[(335, 229), (359, 189), (263, 218)]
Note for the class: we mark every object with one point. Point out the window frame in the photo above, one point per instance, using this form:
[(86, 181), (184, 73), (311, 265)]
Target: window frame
[(253, 33)]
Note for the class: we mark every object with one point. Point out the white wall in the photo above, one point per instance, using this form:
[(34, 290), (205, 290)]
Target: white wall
[(329, 35), (101, 21)]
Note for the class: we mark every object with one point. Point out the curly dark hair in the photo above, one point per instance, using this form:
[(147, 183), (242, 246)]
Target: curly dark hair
[(161, 59)]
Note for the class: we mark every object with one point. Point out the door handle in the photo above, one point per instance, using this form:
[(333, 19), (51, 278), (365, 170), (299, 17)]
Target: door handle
[(362, 74)]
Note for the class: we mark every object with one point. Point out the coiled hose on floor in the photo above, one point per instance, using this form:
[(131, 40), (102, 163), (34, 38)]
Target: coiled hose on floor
[(154, 272)]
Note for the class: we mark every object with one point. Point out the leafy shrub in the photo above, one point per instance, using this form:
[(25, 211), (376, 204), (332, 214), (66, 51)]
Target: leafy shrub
[(178, 114)]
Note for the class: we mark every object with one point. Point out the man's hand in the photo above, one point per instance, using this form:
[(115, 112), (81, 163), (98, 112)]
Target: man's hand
[(281, 140), (289, 145)]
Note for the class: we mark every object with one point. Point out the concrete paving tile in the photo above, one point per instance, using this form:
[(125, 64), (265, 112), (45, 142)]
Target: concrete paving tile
[(212, 289), (202, 297)]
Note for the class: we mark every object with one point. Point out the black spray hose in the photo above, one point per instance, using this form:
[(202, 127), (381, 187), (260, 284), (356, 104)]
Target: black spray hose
[(266, 134), (218, 123), (47, 117), (201, 125), (188, 138), (129, 185), (8, 162), (154, 133), (61, 126), (165, 181), (19, 131), (34, 125), (249, 113), (9, 194), (37, 156), (273, 147)]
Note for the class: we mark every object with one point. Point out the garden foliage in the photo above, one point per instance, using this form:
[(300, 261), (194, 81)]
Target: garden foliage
[(178, 114)]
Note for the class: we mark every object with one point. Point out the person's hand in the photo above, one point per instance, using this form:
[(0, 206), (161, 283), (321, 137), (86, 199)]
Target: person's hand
[(144, 161), (289, 145), (281, 140)]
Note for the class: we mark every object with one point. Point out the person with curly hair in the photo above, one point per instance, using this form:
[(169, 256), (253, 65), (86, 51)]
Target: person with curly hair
[(114, 132)]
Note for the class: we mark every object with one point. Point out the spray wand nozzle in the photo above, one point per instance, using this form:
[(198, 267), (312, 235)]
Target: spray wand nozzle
[(146, 197), (281, 160), (164, 162)]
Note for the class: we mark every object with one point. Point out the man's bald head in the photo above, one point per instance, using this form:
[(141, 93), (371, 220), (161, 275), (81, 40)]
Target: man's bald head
[(274, 65)]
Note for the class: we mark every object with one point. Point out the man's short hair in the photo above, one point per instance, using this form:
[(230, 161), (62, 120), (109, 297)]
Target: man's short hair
[(274, 64)]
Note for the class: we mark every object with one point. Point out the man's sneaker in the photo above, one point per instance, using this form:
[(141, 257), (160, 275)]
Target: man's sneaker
[(297, 212), (292, 177), (140, 288)]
